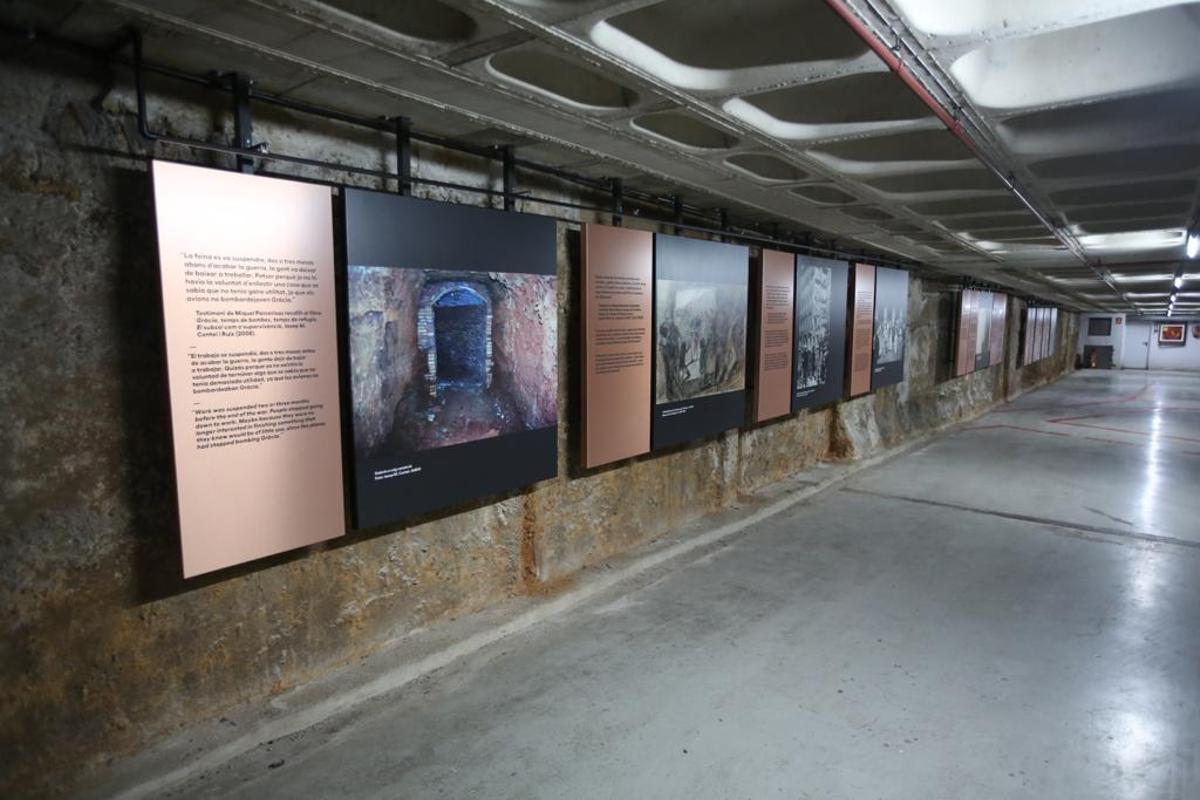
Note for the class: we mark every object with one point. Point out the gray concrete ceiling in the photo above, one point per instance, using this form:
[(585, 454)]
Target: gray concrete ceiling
[(778, 108)]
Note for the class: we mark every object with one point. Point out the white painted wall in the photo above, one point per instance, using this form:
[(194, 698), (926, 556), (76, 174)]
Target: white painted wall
[(1186, 357), (1139, 338), (1116, 340)]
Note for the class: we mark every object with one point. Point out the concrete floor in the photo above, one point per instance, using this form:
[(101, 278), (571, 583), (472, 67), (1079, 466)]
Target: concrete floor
[(1011, 611)]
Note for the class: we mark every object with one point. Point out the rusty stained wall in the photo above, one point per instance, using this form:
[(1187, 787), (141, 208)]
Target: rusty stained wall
[(105, 648)]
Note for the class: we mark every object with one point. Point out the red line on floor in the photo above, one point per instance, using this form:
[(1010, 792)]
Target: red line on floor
[(1069, 435), (1126, 399), (1074, 422), (1018, 428)]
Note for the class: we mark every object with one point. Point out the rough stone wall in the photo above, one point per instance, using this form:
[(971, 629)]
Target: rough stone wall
[(384, 358), (526, 331), (104, 647)]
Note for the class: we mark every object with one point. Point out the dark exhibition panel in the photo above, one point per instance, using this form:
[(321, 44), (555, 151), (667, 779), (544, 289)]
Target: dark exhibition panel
[(701, 315), (453, 316), (998, 332), (656, 399), (890, 327), (983, 331), (821, 304)]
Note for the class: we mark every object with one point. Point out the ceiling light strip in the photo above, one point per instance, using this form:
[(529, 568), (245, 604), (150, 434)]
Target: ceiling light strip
[(952, 119)]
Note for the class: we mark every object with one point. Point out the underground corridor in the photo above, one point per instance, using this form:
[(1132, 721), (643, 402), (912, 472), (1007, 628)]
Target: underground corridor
[(512, 399), (952, 619)]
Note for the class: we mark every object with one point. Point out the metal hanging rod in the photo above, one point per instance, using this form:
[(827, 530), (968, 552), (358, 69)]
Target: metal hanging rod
[(245, 152)]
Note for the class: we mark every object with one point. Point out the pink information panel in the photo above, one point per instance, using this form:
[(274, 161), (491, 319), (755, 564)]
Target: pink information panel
[(249, 312)]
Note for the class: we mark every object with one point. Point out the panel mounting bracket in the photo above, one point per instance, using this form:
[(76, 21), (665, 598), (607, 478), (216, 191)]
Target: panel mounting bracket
[(402, 127), (618, 201), (507, 164)]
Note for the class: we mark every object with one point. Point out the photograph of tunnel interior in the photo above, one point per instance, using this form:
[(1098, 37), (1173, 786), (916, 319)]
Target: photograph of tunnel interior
[(966, 564), (453, 352)]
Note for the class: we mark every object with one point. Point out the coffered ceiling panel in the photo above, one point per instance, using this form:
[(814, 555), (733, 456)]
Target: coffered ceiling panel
[(779, 110)]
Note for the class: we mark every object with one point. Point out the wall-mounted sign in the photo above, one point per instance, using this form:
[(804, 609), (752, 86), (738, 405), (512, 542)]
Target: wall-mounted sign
[(618, 277), (968, 328), (1171, 334), (1052, 337), (983, 330), (820, 353), (773, 367), (999, 328), (1045, 343), (453, 314), (861, 325), (890, 332), (1043, 320), (1039, 334), (1026, 321), (250, 319), (701, 289)]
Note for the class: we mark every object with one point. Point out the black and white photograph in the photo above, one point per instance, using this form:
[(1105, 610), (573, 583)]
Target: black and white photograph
[(891, 324), (983, 324), (812, 328), (453, 342), (821, 286), (701, 314), (701, 343), (889, 335)]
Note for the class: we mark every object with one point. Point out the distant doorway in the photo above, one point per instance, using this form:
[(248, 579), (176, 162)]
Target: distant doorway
[(460, 324), (1136, 353), (1098, 356)]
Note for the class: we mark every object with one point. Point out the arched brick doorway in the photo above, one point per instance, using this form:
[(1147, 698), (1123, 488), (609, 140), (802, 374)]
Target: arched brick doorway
[(454, 332)]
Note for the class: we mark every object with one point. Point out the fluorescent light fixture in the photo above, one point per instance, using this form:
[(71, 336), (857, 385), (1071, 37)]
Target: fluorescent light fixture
[(1074, 281), (1178, 281), (1136, 240), (983, 244), (1135, 278), (1193, 244)]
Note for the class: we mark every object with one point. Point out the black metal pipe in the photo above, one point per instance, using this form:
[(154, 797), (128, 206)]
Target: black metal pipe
[(242, 122), (508, 178), (403, 133), (613, 186)]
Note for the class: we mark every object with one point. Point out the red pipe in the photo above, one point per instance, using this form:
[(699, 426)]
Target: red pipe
[(954, 125), (897, 66)]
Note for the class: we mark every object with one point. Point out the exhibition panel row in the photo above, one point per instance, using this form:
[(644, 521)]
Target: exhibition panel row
[(979, 343), (438, 347), (979, 339), (669, 329), (1039, 334)]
